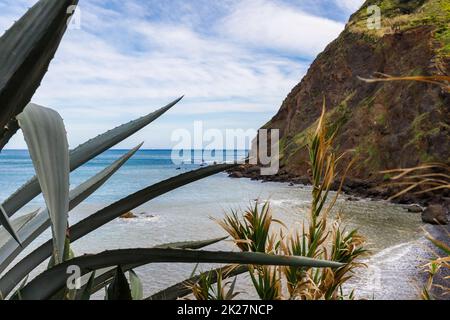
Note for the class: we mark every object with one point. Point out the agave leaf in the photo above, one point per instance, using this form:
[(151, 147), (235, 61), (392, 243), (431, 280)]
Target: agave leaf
[(190, 244), (17, 224), (182, 289), (104, 276), (49, 282), (4, 219), (137, 289), (119, 289), (39, 224), (26, 50), (85, 293), (83, 154), (17, 295), (45, 135), (68, 254), (102, 217)]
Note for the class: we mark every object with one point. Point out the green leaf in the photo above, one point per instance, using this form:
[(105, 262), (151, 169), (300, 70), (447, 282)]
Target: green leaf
[(17, 224), (85, 293), (46, 138), (7, 226), (68, 254), (104, 276), (83, 154), (102, 217), (17, 295), (49, 282), (137, 289), (38, 225), (182, 289), (190, 244), (119, 289), (26, 50)]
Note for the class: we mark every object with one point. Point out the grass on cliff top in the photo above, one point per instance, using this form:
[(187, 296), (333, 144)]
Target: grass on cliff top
[(401, 15)]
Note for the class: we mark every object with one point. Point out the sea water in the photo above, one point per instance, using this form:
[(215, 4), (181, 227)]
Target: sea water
[(394, 235)]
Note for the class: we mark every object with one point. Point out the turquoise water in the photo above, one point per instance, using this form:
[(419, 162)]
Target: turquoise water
[(394, 235), (145, 168)]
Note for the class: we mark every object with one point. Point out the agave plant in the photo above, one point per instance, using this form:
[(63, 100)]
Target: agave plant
[(34, 40)]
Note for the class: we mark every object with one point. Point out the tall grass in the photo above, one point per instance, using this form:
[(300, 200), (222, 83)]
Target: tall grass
[(428, 177), (442, 81)]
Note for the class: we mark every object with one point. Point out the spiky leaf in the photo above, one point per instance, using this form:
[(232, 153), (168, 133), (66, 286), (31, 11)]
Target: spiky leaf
[(38, 225), (46, 138), (49, 282), (26, 50), (119, 289), (100, 218), (83, 154)]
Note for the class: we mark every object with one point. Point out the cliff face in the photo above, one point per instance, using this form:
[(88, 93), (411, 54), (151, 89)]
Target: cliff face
[(390, 125)]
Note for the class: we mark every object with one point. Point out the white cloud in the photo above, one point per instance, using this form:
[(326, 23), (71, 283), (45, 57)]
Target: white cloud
[(278, 26), (121, 65)]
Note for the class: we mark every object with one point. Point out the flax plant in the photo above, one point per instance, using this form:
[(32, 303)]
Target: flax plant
[(316, 239), (321, 240), (211, 286)]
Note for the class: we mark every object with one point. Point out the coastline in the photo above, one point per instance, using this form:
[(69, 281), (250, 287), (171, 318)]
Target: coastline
[(420, 251), (366, 189)]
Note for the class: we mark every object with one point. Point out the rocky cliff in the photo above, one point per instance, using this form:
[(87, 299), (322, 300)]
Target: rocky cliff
[(389, 125)]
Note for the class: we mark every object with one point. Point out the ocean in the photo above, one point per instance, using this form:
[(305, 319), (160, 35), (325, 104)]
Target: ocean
[(394, 235)]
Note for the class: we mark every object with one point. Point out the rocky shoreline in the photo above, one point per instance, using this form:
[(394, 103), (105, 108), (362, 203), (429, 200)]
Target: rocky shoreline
[(432, 207)]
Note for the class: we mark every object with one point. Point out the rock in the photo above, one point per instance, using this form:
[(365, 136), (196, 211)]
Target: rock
[(128, 215), (301, 180), (435, 214), (253, 170), (414, 208), (236, 174), (352, 199)]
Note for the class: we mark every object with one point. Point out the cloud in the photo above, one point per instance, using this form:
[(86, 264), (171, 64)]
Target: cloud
[(280, 27), (234, 60)]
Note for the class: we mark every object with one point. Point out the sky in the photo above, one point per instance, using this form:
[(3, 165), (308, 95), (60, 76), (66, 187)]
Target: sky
[(234, 60)]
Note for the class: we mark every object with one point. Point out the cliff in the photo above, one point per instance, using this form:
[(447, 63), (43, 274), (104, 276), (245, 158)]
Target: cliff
[(389, 125)]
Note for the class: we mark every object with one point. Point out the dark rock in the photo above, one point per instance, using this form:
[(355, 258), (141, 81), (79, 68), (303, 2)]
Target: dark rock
[(128, 215), (435, 214), (253, 170), (414, 208), (301, 180), (236, 174)]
